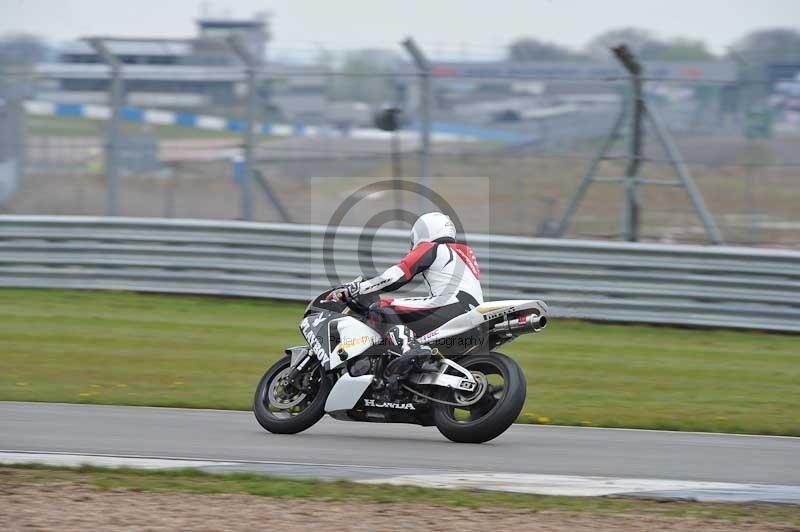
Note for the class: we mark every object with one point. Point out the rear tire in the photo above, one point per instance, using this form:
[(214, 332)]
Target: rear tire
[(490, 417), (290, 423)]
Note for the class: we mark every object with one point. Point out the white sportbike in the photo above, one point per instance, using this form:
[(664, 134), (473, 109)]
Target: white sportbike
[(470, 392)]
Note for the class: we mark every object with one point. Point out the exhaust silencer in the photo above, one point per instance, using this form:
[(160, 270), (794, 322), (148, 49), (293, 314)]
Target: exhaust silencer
[(526, 323)]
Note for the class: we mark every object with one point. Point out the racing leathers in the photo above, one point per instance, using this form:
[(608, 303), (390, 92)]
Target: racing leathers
[(452, 274)]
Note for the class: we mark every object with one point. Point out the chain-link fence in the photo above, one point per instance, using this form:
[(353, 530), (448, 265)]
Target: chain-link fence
[(532, 130)]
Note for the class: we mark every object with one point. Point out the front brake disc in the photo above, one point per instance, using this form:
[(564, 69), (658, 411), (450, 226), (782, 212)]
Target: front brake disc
[(278, 394)]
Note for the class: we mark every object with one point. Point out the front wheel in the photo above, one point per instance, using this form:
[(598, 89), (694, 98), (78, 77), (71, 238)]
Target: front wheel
[(282, 408), (502, 390)]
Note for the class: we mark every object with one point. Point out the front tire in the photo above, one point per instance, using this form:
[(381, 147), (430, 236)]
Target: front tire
[(498, 408), (280, 412)]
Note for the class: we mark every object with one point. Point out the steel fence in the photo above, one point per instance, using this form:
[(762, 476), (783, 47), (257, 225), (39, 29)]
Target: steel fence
[(622, 282), (176, 144)]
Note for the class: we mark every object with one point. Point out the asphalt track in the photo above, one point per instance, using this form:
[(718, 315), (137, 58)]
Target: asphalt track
[(334, 449)]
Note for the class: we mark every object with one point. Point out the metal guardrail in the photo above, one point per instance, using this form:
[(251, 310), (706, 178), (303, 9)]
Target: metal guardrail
[(644, 283)]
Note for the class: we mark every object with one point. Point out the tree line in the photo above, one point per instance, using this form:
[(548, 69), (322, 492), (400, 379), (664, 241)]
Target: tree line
[(765, 46)]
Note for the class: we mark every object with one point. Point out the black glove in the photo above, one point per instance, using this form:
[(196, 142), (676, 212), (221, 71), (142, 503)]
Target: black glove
[(346, 292), (351, 290)]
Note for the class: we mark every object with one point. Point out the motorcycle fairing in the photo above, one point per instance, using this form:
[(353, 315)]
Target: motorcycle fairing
[(347, 392), (481, 314), (314, 327), (355, 337)]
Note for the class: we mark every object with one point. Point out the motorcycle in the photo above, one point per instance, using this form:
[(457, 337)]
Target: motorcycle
[(470, 392)]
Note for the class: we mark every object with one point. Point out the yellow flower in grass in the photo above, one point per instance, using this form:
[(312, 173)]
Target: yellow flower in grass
[(544, 420)]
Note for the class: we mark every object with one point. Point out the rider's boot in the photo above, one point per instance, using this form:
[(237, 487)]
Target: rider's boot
[(413, 353)]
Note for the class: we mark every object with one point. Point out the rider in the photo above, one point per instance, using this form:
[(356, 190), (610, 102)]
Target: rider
[(453, 278)]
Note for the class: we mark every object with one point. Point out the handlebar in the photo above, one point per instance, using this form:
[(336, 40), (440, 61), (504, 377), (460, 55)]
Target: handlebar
[(355, 304)]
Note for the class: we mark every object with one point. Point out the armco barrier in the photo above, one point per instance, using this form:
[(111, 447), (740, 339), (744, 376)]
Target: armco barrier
[(647, 283)]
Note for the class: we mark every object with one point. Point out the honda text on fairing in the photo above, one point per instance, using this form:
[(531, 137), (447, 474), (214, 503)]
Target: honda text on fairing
[(469, 391)]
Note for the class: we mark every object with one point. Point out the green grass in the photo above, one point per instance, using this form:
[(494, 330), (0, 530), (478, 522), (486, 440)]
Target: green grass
[(166, 350), (68, 126), (193, 481)]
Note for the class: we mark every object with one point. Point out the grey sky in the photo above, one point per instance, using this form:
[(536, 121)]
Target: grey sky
[(473, 25)]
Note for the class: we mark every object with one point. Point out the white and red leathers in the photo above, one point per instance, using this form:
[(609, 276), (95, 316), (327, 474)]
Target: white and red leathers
[(453, 278), (451, 273)]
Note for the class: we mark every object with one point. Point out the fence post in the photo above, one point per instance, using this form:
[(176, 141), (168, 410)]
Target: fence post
[(252, 64), (112, 141), (425, 100), (630, 224), (13, 136), (634, 111)]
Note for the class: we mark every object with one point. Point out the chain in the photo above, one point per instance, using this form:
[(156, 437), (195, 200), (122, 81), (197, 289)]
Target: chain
[(442, 401)]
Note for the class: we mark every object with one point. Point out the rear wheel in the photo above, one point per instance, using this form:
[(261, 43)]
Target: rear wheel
[(283, 408), (492, 408)]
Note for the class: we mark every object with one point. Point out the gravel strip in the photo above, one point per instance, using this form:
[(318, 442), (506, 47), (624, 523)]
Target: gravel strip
[(75, 506)]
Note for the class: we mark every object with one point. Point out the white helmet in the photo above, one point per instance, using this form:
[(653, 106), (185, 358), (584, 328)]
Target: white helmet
[(431, 226)]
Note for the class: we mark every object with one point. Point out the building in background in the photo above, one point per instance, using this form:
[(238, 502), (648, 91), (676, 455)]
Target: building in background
[(196, 72), (202, 75)]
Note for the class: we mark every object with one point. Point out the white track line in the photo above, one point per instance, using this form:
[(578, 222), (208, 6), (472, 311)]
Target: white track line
[(564, 485), (180, 461), (580, 486), (657, 431), (74, 460)]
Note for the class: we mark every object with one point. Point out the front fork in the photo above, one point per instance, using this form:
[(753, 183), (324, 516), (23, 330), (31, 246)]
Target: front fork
[(301, 359)]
